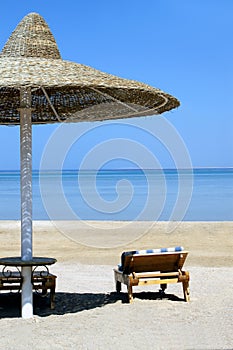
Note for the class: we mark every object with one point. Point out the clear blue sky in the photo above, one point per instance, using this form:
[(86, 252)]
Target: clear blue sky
[(182, 47)]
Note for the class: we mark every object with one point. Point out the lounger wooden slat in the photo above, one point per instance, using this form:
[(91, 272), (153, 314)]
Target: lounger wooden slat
[(153, 275), (154, 268), (164, 281)]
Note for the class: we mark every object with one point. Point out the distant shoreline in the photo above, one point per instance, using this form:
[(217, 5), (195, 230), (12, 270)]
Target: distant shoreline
[(101, 242)]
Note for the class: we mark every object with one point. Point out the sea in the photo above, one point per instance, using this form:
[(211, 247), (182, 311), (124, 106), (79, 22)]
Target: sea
[(123, 194)]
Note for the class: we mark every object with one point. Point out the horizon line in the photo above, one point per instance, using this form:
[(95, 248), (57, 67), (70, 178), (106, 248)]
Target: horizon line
[(114, 169)]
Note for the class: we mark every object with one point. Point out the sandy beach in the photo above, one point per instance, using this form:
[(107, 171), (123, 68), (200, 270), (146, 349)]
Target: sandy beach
[(90, 315)]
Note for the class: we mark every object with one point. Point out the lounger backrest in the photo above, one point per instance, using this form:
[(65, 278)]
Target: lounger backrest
[(165, 262)]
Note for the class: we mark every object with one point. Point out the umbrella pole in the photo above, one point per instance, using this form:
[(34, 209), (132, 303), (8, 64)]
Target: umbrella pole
[(26, 199)]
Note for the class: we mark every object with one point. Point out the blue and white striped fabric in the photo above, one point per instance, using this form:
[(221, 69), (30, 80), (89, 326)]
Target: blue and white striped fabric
[(160, 250)]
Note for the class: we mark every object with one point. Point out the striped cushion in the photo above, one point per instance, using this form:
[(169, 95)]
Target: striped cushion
[(148, 251), (161, 250)]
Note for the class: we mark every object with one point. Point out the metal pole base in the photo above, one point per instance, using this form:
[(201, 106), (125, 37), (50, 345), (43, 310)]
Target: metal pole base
[(27, 302)]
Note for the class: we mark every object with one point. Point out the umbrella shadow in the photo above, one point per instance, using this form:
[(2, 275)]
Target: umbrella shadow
[(65, 303)]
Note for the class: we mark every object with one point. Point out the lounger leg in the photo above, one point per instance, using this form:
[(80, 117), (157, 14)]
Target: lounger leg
[(130, 294), (186, 291), (52, 298), (118, 286), (44, 290), (186, 287), (163, 287)]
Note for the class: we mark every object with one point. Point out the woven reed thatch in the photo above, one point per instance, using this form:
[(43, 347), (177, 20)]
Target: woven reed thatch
[(63, 90)]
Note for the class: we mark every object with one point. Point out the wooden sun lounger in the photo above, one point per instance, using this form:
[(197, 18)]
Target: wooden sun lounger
[(153, 268), (40, 283)]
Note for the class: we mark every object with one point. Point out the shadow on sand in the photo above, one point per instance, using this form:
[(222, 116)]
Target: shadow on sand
[(72, 302)]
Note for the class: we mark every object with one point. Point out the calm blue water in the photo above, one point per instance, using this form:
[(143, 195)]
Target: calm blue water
[(123, 195)]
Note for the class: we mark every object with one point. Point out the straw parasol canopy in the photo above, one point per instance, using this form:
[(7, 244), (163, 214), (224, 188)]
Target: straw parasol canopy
[(38, 87), (63, 90)]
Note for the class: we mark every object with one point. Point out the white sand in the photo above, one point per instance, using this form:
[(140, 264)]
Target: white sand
[(89, 315)]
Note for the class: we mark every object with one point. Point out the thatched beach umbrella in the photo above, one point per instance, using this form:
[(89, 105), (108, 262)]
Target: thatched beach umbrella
[(37, 86)]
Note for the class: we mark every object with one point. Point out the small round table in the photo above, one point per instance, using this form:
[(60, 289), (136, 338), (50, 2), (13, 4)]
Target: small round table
[(35, 261), (41, 280)]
